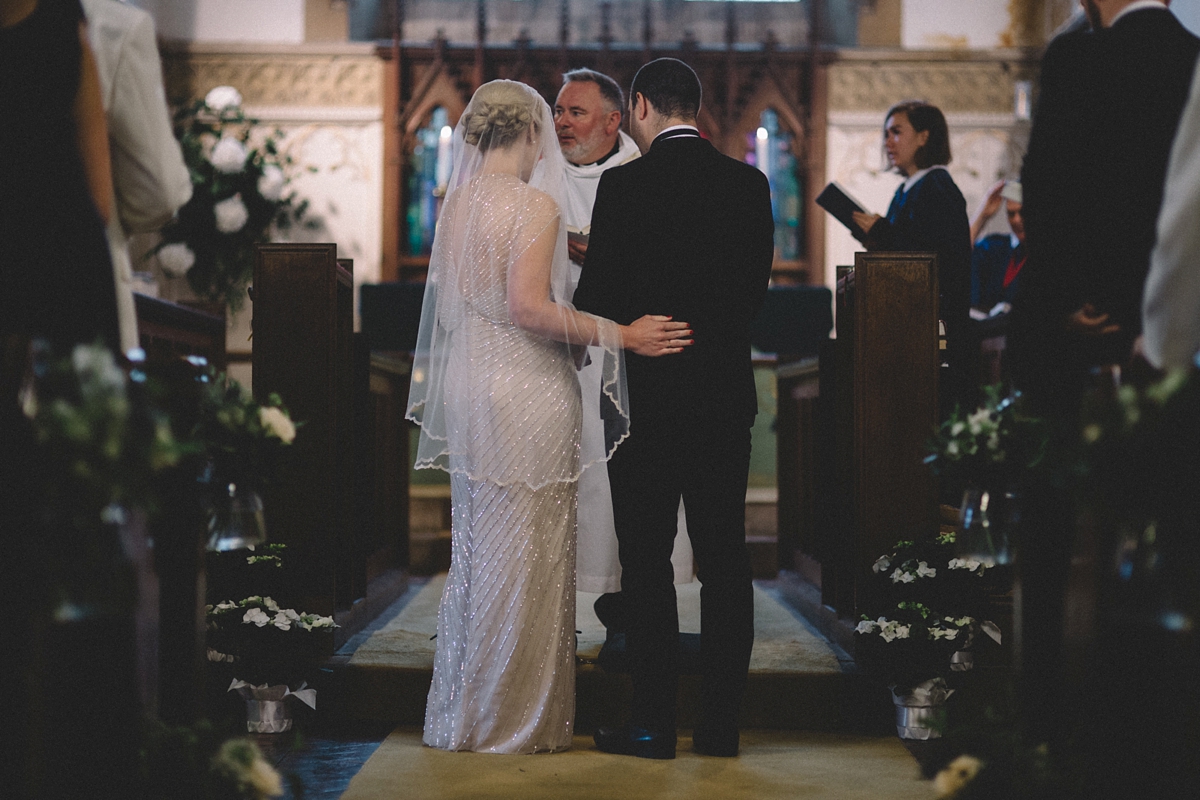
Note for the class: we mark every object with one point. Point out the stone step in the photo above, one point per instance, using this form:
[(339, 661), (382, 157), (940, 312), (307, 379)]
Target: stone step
[(797, 679), (429, 530)]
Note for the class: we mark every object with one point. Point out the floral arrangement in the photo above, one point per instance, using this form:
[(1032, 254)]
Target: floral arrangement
[(240, 193), (101, 439), (266, 643), (952, 779), (255, 570), (933, 604), (912, 645), (240, 764), (271, 555), (991, 444), (245, 440), (199, 763), (928, 570)]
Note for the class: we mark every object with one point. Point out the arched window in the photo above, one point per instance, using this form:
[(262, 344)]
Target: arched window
[(430, 172), (770, 149)]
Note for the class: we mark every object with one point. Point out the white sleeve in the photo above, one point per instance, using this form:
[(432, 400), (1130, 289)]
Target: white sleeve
[(149, 175), (1171, 303)]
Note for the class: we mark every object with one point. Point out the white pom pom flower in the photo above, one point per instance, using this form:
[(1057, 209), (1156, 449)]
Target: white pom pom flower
[(270, 185), (231, 214), (176, 259), (223, 97), (228, 155), (277, 423)]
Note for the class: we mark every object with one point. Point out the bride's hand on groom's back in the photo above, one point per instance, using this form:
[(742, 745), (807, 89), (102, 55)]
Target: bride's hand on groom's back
[(654, 335)]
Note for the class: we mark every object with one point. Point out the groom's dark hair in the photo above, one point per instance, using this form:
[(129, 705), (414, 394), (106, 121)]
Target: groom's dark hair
[(670, 86)]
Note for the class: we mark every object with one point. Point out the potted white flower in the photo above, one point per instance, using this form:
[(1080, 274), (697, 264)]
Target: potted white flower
[(932, 605), (273, 651)]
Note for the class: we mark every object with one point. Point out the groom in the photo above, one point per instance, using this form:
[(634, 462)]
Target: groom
[(684, 231)]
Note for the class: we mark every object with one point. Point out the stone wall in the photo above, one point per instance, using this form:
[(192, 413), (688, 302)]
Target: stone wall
[(327, 101), (976, 91)]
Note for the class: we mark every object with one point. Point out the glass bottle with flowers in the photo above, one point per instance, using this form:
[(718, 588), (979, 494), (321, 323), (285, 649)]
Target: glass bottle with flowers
[(92, 453), (244, 441), (240, 194), (102, 444), (985, 453)]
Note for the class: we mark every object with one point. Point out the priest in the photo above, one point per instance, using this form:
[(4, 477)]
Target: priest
[(587, 118)]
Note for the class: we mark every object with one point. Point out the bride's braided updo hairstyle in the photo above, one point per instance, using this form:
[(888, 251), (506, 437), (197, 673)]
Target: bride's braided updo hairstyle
[(499, 113)]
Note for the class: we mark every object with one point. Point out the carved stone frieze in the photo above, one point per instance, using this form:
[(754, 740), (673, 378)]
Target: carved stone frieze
[(278, 79), (982, 87)]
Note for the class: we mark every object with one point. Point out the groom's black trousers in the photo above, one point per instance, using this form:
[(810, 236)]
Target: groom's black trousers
[(706, 462)]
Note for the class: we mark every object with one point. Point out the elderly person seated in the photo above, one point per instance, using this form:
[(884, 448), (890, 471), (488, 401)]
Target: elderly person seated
[(996, 260)]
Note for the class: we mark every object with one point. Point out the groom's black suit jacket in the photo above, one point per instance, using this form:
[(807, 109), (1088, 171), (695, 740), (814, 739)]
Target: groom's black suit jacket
[(687, 232)]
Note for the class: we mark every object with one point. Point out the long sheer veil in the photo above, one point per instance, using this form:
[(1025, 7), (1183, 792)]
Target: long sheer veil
[(487, 222)]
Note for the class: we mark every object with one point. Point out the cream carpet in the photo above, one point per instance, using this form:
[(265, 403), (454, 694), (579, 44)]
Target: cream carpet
[(773, 764), (783, 644)]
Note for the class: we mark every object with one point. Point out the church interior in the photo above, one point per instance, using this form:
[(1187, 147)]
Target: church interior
[(275, 338)]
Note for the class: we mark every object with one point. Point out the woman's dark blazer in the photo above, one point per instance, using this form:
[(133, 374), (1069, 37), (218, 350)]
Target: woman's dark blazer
[(932, 217)]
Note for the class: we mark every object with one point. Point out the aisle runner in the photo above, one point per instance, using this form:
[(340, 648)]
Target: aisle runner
[(773, 765), (783, 644)]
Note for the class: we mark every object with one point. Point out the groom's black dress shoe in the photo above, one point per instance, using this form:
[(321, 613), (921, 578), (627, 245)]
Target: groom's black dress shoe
[(715, 742), (632, 740)]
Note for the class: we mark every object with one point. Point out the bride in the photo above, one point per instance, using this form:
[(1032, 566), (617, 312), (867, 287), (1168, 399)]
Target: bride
[(495, 393)]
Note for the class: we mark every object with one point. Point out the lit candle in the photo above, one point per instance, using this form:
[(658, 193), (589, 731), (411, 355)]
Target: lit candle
[(1021, 103), (762, 151), (443, 157)]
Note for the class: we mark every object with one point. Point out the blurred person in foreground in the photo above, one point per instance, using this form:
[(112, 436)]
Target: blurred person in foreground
[(149, 177), (1110, 103), (1171, 306), (57, 286)]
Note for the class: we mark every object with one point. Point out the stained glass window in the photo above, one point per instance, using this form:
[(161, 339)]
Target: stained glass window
[(430, 165), (770, 149)]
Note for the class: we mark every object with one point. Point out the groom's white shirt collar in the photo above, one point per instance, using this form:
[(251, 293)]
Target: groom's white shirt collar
[(1137, 6)]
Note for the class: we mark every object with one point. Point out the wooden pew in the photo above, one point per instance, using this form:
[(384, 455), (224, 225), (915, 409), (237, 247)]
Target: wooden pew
[(171, 600), (167, 330), (347, 533), (854, 432), (886, 366), (797, 424), (791, 326)]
